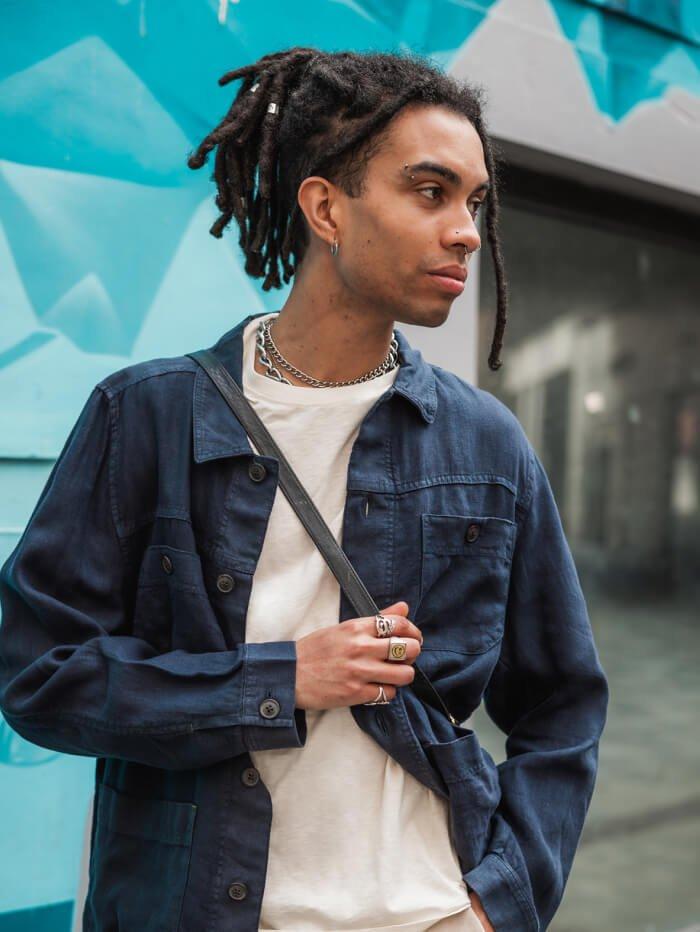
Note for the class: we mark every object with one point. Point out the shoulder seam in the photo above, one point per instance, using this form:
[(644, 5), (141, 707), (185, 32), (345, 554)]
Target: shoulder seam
[(526, 503), (112, 413), (112, 392)]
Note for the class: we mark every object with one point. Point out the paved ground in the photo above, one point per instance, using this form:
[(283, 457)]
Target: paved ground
[(637, 866)]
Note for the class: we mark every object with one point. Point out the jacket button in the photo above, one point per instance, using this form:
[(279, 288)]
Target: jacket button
[(257, 472), (225, 583), (250, 776), (269, 708), (166, 563), (238, 891), (472, 532)]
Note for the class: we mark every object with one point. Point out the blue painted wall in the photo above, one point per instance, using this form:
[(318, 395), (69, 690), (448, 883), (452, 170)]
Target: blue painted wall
[(625, 59), (106, 259), (678, 17)]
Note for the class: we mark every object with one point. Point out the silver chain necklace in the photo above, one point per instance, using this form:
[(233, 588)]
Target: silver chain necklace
[(264, 342)]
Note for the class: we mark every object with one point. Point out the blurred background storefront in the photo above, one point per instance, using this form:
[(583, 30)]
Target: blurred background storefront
[(105, 259), (601, 232), (603, 371)]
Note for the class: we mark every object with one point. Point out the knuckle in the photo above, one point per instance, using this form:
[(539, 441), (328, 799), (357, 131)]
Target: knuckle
[(356, 646), (350, 648)]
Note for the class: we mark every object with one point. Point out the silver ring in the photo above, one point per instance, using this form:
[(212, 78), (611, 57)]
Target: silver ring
[(385, 626), (380, 700)]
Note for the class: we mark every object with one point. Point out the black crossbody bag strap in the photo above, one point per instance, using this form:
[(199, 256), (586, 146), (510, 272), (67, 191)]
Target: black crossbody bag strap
[(309, 515)]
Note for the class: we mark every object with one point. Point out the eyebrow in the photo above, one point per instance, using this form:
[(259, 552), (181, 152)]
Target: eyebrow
[(447, 173)]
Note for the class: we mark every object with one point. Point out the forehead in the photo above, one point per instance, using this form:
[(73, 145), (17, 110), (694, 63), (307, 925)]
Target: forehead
[(433, 134)]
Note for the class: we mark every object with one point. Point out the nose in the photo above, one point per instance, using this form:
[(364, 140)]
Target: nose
[(465, 235)]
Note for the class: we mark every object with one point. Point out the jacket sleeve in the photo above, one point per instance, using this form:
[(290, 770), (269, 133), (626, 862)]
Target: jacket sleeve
[(72, 676), (549, 695)]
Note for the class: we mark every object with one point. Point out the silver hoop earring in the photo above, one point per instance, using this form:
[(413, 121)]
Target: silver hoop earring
[(335, 247)]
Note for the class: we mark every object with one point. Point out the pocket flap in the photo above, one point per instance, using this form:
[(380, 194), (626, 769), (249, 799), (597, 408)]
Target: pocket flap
[(167, 565), (468, 535), (161, 820), (458, 758)]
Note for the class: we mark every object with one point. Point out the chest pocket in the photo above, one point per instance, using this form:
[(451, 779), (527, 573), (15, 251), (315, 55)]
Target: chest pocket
[(172, 608), (464, 577)]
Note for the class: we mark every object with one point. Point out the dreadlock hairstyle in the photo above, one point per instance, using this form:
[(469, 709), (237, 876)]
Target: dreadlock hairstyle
[(302, 112)]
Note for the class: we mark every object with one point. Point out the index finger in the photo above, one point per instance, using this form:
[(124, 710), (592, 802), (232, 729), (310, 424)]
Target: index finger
[(403, 626)]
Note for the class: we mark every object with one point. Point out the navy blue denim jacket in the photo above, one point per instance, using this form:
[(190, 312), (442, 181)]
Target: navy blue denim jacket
[(123, 638)]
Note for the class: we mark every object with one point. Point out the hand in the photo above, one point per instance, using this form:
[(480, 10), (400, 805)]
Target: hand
[(479, 910), (342, 664)]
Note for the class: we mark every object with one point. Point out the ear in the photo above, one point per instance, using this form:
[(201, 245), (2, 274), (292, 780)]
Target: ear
[(321, 204)]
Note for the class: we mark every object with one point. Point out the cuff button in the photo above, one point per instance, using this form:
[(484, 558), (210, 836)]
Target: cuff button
[(269, 708), (257, 472)]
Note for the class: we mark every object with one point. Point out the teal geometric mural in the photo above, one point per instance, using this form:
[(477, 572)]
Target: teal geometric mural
[(104, 242), (626, 62), (678, 17), (106, 258)]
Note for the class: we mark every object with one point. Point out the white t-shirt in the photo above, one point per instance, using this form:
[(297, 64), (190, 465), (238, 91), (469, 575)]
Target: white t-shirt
[(356, 841)]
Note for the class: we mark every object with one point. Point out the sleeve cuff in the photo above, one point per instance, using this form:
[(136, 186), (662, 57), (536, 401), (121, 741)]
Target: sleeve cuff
[(270, 684), (501, 895)]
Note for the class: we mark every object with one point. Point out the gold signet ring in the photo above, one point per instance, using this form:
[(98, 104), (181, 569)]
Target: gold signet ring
[(397, 649)]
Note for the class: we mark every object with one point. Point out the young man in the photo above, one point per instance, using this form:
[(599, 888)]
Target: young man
[(259, 764)]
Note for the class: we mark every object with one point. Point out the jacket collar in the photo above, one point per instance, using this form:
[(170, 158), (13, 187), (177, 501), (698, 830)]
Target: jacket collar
[(217, 432)]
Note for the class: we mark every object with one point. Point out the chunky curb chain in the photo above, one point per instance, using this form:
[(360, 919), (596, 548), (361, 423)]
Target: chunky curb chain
[(264, 342)]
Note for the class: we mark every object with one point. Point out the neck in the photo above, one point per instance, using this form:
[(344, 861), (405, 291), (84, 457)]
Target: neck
[(328, 342)]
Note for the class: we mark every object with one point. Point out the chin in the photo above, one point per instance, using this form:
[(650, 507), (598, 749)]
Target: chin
[(427, 316)]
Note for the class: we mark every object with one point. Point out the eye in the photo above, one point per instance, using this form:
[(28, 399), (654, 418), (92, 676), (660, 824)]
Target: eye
[(433, 187), (437, 187)]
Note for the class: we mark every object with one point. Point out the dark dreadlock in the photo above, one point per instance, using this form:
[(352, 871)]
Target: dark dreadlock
[(331, 116)]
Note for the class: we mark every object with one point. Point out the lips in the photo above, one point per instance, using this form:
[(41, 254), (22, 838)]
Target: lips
[(451, 271), (447, 283)]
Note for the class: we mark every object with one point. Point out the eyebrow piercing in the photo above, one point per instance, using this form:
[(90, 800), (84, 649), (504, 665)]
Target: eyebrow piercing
[(405, 167)]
